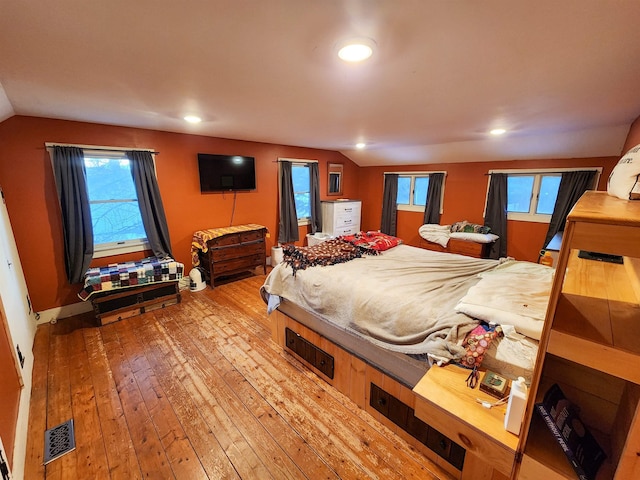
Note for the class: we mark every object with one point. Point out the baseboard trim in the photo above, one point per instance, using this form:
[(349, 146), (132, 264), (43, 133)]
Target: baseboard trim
[(54, 314)]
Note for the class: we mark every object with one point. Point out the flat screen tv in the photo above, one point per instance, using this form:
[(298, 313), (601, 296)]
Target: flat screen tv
[(220, 173)]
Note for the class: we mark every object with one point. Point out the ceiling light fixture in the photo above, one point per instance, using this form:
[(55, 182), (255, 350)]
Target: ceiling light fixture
[(356, 50), (497, 131), (192, 119), (360, 145)]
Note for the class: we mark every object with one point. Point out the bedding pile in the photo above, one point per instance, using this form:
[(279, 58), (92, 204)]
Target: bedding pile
[(339, 250), (515, 293), (466, 231)]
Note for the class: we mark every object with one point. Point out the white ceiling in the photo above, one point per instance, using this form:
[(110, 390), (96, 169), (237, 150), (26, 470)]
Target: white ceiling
[(563, 76)]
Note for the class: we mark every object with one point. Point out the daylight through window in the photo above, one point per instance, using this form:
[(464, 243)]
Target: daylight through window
[(115, 214), (302, 191), (412, 192), (532, 197)]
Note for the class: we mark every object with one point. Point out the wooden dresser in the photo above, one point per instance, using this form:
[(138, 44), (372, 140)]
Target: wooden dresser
[(229, 250)]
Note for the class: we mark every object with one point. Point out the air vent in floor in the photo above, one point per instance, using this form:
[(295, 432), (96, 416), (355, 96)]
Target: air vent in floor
[(58, 441)]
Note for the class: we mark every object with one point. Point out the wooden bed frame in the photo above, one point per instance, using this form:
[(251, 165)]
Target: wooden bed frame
[(462, 446)]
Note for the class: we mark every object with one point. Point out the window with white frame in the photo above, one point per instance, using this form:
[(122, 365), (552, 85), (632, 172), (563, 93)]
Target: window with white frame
[(531, 195), (115, 213), (412, 191), (302, 191)]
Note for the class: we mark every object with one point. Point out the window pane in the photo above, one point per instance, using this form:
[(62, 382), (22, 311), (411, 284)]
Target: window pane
[(300, 176), (404, 190), (109, 179), (116, 222), (548, 194), (301, 188), (115, 214), (420, 191), (519, 188), (303, 205)]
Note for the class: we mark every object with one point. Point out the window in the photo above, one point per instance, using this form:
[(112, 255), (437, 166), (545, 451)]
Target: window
[(531, 194), (115, 214), (302, 191), (532, 197), (412, 192)]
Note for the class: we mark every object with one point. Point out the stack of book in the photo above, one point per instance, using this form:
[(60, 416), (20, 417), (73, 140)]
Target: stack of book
[(580, 447)]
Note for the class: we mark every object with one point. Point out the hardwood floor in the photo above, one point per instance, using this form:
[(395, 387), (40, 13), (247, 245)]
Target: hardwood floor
[(199, 390)]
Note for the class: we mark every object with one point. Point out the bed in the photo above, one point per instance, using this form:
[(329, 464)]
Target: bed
[(419, 304), (373, 323)]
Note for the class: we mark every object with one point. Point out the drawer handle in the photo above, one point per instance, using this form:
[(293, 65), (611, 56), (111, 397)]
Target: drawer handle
[(382, 401), (443, 444), (323, 363), (464, 439)]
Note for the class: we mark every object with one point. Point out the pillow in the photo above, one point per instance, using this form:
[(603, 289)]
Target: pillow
[(475, 237), (467, 227), (624, 180)]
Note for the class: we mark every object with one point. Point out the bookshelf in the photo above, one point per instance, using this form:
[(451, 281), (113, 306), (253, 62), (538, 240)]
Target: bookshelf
[(590, 345)]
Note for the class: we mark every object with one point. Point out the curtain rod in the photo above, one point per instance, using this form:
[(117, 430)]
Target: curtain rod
[(102, 149), (535, 172)]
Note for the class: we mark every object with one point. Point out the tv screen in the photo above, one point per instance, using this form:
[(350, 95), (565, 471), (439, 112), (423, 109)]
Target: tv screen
[(219, 173)]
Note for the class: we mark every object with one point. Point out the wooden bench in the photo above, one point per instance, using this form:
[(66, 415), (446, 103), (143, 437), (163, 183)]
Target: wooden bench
[(119, 304)]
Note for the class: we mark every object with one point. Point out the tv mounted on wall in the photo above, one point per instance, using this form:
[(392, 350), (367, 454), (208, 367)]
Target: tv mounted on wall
[(220, 173)]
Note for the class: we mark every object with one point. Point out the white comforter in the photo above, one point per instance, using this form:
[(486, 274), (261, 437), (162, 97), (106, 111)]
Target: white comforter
[(403, 299), (515, 293)]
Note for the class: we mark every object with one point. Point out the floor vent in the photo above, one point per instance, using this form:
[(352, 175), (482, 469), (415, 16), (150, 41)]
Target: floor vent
[(58, 441)]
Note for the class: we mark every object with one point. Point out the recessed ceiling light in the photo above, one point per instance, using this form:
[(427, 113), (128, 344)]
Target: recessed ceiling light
[(192, 119), (497, 131), (356, 50), (360, 145)]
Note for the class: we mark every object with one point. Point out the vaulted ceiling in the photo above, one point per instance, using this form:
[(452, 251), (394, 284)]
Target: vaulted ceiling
[(562, 77)]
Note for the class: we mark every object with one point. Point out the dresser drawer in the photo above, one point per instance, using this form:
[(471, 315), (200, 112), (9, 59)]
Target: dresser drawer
[(231, 239), (251, 236), (346, 230), (238, 264), (236, 251), (351, 209)]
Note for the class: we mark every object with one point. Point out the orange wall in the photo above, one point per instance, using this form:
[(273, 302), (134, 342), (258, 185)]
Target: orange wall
[(464, 198), (27, 180)]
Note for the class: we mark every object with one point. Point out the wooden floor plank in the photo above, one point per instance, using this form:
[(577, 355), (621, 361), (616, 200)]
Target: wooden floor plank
[(90, 447), (59, 403), (151, 455), (199, 390), (34, 468), (173, 367), (121, 455), (295, 446), (173, 409), (338, 428)]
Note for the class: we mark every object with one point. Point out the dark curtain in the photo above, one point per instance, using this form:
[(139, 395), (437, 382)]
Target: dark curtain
[(572, 187), (434, 194), (314, 194), (496, 215), (150, 202), (288, 226), (389, 204), (71, 183)]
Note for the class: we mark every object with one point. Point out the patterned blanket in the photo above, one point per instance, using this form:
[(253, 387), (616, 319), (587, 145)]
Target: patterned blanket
[(339, 250), (130, 274)]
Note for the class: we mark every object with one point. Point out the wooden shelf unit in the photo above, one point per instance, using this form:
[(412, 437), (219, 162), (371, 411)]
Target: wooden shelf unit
[(589, 345)]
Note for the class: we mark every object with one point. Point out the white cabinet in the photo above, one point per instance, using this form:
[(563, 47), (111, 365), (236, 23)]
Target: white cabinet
[(341, 217)]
